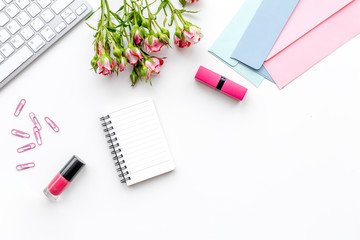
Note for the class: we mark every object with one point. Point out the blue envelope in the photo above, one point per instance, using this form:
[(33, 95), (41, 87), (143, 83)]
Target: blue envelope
[(263, 31), (229, 38)]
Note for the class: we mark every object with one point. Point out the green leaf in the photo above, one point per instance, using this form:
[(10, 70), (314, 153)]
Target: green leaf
[(187, 11), (117, 17), (91, 14), (162, 6), (91, 27), (183, 2), (171, 20), (111, 29), (129, 17), (165, 21), (121, 8)]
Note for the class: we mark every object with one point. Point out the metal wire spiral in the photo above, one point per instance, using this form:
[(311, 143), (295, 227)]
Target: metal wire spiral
[(115, 149)]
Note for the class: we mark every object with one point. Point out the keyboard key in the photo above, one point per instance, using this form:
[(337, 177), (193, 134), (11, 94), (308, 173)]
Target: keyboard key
[(66, 13), (13, 27), (23, 18), (81, 9), (37, 24), (7, 50), (70, 18), (33, 10), (1, 58), (60, 27), (4, 35), (60, 5), (27, 32), (15, 61), (22, 3), (48, 33), (44, 3), (36, 43), (17, 41), (3, 19), (2, 4), (12, 10), (47, 15)]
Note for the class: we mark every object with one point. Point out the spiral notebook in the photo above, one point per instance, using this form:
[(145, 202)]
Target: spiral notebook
[(137, 142)]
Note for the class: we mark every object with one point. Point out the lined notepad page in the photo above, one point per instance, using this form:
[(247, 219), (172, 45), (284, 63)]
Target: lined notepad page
[(142, 141)]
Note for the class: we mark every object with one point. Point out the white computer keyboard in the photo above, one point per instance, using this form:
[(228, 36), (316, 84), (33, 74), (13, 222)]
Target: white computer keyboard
[(29, 27)]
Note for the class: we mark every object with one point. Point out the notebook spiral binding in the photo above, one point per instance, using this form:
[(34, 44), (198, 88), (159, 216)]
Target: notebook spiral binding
[(115, 149)]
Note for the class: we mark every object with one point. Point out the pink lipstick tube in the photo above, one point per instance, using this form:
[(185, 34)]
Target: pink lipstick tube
[(63, 178), (221, 83)]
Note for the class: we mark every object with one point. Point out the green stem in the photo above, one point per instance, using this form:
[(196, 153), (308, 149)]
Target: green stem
[(178, 14), (111, 38), (149, 13), (125, 3), (108, 11), (125, 33), (139, 11), (157, 24)]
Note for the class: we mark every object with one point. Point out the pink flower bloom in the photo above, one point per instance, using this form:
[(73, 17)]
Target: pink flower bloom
[(107, 67), (99, 48), (181, 43), (133, 56), (116, 64), (155, 45), (191, 1), (137, 37), (194, 35), (154, 67), (123, 64), (148, 74)]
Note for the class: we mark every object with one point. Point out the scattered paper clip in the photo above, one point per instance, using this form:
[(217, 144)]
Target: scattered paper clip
[(52, 124), (19, 107), (19, 133), (27, 147), (37, 136), (24, 166), (35, 120)]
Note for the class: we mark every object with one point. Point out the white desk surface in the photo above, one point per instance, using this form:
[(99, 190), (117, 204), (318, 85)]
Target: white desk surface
[(280, 165)]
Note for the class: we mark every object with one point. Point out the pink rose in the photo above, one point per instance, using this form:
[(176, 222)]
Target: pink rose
[(194, 35), (99, 48), (154, 66), (191, 1), (137, 37), (133, 56), (181, 42), (152, 44), (106, 67), (123, 64)]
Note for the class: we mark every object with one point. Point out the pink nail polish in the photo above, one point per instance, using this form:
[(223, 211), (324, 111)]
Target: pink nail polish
[(63, 178)]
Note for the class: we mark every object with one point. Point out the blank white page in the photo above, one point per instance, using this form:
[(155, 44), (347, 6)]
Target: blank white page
[(142, 141)]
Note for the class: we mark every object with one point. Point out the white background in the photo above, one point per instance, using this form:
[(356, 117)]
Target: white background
[(279, 165)]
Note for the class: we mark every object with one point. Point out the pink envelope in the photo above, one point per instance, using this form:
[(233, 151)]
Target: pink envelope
[(307, 15), (290, 58)]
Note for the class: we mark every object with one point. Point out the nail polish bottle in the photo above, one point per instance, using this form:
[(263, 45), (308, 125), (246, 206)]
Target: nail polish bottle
[(63, 178)]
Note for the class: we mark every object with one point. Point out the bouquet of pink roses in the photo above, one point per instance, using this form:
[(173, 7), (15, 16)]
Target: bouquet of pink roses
[(131, 34)]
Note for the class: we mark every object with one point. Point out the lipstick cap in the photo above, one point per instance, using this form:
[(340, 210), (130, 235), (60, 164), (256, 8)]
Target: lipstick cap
[(223, 84), (72, 167)]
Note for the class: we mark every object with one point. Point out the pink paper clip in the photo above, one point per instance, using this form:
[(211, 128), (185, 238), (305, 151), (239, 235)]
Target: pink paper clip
[(27, 147), (19, 133), (52, 124), (37, 136), (19, 107), (24, 166), (35, 120)]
